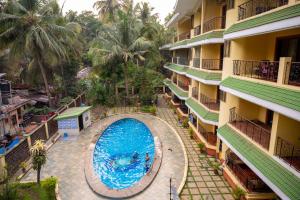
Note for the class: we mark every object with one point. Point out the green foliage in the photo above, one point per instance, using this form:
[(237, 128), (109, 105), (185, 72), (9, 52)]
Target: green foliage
[(185, 123), (8, 191), (39, 111), (65, 101), (49, 185), (191, 132), (238, 193), (149, 109), (201, 146)]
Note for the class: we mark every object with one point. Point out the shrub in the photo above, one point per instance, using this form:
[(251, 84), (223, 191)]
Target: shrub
[(201, 146), (149, 109), (191, 132), (49, 185), (65, 101), (238, 193), (185, 123)]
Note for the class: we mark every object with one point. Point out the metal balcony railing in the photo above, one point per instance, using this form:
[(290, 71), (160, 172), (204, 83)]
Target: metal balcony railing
[(288, 152), (184, 86), (264, 70), (197, 30), (196, 62), (175, 60), (210, 137), (195, 93), (214, 24), (212, 64), (183, 61), (255, 7), (212, 104), (254, 129), (184, 36), (184, 108), (245, 175), (294, 74)]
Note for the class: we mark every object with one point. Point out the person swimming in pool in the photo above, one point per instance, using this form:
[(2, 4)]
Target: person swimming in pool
[(135, 157), (147, 163)]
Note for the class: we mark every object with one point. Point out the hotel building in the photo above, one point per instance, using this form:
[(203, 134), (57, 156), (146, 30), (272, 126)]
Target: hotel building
[(235, 73)]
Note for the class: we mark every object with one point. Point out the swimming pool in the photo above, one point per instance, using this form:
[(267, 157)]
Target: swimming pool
[(113, 159)]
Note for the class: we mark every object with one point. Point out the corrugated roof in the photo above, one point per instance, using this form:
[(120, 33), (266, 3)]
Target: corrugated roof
[(72, 112)]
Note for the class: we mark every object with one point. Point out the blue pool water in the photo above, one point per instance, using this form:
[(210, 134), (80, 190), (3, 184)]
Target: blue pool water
[(113, 155)]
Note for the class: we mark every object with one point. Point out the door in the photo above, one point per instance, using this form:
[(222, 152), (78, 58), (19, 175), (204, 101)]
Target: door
[(269, 118), (224, 9), (80, 119), (288, 47)]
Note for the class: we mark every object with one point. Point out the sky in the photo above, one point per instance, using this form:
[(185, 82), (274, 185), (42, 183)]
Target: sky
[(162, 7)]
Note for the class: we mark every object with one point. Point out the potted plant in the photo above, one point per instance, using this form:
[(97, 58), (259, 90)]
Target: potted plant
[(216, 167), (238, 193), (201, 146), (23, 166), (185, 123)]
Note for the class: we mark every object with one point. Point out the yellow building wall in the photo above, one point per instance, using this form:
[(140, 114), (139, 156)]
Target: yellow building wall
[(197, 19), (211, 51), (184, 26), (207, 127), (211, 10), (289, 130), (251, 111), (209, 90)]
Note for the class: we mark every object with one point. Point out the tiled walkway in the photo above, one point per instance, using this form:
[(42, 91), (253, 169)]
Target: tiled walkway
[(201, 182)]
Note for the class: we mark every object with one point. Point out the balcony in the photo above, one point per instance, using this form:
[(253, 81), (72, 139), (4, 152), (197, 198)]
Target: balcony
[(264, 70), (294, 74), (211, 104), (212, 64), (197, 30), (245, 175), (184, 36), (214, 24), (184, 86), (184, 109), (255, 7), (254, 129), (196, 62), (180, 60), (210, 137), (288, 152), (195, 93)]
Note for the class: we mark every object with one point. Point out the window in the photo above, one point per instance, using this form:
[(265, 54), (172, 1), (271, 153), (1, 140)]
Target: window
[(222, 96), (227, 45), (230, 4)]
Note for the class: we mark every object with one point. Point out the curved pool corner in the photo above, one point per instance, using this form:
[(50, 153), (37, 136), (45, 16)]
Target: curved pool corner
[(97, 185)]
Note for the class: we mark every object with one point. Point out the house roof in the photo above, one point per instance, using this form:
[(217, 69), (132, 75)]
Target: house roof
[(285, 13), (181, 94), (278, 178), (72, 112), (283, 97), (205, 115)]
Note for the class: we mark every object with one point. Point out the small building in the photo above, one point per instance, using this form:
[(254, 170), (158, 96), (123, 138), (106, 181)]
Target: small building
[(73, 120)]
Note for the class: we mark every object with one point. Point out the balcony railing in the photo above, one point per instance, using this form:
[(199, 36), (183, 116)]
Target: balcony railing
[(184, 108), (210, 137), (175, 60), (197, 30), (195, 93), (264, 70), (210, 103), (183, 61), (212, 64), (196, 62), (294, 74), (245, 175), (288, 152), (254, 129), (184, 36), (255, 7), (183, 86), (214, 23)]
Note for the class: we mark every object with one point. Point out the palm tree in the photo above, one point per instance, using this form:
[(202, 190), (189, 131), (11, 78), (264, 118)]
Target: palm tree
[(122, 41), (107, 8), (31, 29), (39, 157)]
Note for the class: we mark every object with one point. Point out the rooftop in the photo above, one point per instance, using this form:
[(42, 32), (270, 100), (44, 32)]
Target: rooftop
[(181, 94), (72, 112)]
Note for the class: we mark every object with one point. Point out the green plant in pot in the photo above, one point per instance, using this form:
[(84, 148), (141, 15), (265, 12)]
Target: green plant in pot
[(201, 146), (185, 123), (238, 193), (216, 167), (23, 166)]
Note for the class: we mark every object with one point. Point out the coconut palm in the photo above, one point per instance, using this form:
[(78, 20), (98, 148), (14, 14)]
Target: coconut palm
[(122, 41), (107, 9), (39, 157), (32, 29)]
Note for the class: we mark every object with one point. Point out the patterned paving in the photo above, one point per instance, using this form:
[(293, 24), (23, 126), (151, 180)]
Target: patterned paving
[(201, 182)]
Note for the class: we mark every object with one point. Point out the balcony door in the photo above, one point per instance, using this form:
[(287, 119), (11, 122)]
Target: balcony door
[(288, 47)]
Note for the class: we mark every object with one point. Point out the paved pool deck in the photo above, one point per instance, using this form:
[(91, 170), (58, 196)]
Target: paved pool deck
[(66, 161)]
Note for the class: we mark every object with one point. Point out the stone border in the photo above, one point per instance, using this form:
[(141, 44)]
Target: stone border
[(94, 181)]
